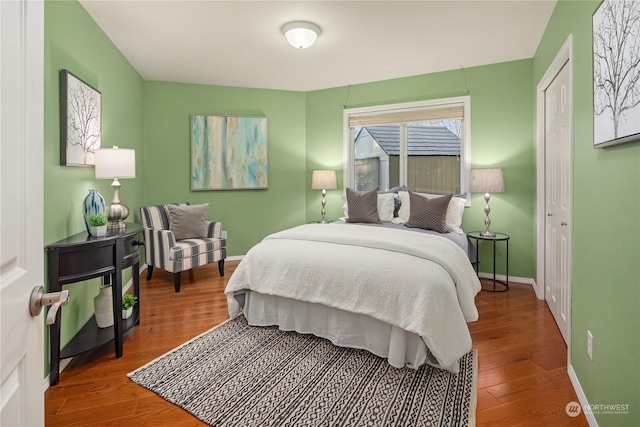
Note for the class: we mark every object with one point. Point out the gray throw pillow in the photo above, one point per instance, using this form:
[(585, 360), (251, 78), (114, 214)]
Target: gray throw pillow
[(363, 207), (189, 221), (428, 214)]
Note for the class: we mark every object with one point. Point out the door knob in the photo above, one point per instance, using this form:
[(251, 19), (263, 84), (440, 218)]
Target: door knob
[(549, 214), (54, 299), (563, 223)]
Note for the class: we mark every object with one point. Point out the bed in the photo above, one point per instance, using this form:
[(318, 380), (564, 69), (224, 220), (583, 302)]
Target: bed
[(405, 294)]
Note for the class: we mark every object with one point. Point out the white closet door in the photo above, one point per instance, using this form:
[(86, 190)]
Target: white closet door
[(558, 178)]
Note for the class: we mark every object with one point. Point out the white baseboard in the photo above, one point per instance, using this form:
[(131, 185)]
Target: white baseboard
[(235, 258), (65, 362), (129, 284), (539, 290), (584, 403), (525, 280)]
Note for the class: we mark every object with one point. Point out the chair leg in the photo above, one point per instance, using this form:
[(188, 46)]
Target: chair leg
[(176, 280), (221, 267), (149, 272)]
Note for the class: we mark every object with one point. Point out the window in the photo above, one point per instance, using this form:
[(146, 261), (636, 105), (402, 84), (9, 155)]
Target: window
[(423, 145)]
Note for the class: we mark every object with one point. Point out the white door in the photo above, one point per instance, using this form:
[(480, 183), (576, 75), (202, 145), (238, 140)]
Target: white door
[(558, 179), (21, 183)]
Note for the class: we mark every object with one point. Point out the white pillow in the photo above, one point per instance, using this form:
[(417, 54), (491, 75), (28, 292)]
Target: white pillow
[(385, 206), (454, 215), (403, 212), (454, 210)]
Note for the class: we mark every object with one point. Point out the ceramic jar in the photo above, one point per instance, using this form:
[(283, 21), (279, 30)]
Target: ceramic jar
[(103, 304)]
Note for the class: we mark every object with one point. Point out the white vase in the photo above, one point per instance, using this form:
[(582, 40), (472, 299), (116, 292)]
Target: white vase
[(126, 313), (103, 304), (93, 204)]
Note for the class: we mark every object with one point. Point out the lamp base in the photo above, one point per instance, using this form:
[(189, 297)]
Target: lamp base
[(116, 226), (324, 203), (117, 213), (487, 221)]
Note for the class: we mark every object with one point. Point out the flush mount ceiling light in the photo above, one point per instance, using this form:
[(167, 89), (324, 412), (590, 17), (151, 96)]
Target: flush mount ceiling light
[(301, 34)]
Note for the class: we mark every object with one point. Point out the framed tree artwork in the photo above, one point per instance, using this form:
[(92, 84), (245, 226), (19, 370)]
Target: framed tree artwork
[(616, 72), (80, 121)]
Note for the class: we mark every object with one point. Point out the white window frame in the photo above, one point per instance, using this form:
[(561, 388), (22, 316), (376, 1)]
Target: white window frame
[(465, 149)]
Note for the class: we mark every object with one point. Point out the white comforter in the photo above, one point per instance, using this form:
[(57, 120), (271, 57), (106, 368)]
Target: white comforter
[(419, 282)]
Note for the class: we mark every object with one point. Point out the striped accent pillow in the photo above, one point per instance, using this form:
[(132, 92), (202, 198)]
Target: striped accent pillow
[(428, 214), (363, 207)]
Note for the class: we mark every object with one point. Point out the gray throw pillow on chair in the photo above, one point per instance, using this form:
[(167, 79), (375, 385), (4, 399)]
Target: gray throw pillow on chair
[(189, 221)]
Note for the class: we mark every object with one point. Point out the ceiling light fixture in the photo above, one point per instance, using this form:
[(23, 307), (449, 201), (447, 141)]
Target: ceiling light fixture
[(301, 34)]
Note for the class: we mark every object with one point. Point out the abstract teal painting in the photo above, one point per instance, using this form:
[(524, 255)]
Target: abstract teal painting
[(228, 152)]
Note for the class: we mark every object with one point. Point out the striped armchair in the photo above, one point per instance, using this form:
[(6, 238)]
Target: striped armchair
[(175, 256)]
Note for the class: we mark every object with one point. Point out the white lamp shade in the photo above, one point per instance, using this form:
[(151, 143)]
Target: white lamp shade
[(486, 181), (324, 180), (115, 163), (301, 34)]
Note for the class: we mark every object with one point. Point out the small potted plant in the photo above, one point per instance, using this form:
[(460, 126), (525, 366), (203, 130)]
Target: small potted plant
[(98, 225), (128, 301)]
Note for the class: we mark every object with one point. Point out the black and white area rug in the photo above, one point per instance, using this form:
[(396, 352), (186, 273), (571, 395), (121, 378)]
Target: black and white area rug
[(240, 375)]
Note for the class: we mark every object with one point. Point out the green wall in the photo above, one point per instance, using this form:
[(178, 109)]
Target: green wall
[(305, 133), (606, 234), (501, 136), (73, 41), (246, 215)]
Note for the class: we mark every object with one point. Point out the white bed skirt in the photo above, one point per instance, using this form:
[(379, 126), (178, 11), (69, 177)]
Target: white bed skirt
[(342, 328)]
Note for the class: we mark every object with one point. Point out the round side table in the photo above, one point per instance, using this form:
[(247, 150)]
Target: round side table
[(498, 237)]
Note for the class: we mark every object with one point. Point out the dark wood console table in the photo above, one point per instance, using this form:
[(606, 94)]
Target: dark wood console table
[(83, 257)]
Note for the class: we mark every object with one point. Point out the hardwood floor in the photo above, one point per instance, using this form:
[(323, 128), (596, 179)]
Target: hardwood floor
[(522, 362), (522, 379)]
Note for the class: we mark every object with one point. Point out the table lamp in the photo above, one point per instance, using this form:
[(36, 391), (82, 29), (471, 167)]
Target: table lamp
[(116, 163), (487, 181), (324, 180)]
